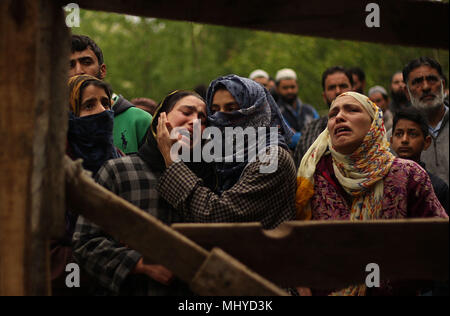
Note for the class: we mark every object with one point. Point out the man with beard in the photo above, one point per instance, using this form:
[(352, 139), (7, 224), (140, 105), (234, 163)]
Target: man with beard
[(424, 83), (399, 99), (359, 79), (295, 112), (335, 81), (261, 77), (130, 123)]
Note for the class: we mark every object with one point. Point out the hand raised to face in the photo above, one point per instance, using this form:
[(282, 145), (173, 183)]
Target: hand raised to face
[(167, 136)]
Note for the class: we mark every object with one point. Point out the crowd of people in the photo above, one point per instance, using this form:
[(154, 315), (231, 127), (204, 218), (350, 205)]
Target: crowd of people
[(376, 156)]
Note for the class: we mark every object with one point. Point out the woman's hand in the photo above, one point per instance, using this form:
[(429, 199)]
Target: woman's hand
[(163, 138), (154, 271), (165, 142), (304, 291)]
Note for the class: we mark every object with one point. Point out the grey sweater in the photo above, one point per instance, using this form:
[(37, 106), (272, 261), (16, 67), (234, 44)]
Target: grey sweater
[(436, 156)]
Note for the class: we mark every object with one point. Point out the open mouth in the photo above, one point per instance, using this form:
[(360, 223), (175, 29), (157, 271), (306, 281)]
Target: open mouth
[(342, 130)]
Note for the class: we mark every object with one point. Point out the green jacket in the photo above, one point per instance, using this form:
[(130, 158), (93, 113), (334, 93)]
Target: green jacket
[(130, 125)]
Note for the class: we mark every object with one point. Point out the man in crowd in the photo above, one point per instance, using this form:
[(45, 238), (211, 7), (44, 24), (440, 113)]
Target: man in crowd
[(295, 112), (261, 77), (379, 96), (425, 87), (359, 79), (335, 81), (130, 123), (399, 100), (410, 137), (146, 104)]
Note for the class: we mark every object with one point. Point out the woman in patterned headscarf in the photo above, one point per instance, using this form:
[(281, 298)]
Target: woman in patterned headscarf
[(350, 174)]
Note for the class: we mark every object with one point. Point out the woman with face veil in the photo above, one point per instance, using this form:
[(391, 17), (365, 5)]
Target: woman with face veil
[(246, 192), (90, 138)]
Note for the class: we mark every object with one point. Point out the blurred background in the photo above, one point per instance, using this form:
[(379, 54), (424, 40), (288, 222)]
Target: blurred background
[(148, 57)]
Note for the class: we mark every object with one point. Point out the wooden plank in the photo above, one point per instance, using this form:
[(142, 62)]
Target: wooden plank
[(402, 22), (29, 39), (325, 254), (57, 48), (221, 275), (136, 228), (47, 217), (158, 242)]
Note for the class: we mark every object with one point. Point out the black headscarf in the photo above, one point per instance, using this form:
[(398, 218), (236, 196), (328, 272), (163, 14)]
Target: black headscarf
[(91, 139)]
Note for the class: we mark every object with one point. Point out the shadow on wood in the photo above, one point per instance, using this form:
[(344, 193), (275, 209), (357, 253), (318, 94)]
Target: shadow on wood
[(406, 22), (330, 254)]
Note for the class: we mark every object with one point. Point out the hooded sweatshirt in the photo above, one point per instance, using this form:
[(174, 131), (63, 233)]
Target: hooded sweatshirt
[(130, 125)]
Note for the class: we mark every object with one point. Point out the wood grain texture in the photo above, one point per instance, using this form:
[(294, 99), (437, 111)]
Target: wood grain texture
[(327, 254), (221, 274), (402, 22), (30, 37), (131, 225)]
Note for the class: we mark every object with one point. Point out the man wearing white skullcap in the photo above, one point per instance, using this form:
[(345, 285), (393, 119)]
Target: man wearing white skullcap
[(261, 77), (295, 112)]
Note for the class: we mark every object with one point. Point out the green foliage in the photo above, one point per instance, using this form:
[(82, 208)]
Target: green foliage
[(150, 57)]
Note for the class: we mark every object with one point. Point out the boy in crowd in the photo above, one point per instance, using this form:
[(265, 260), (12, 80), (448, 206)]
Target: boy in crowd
[(410, 137)]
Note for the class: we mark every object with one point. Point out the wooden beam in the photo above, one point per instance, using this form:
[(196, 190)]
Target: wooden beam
[(314, 254), (159, 243), (330, 254), (31, 66), (402, 22)]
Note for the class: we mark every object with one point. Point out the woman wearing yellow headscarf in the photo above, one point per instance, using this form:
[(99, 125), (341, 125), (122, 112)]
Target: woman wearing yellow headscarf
[(90, 138), (350, 174)]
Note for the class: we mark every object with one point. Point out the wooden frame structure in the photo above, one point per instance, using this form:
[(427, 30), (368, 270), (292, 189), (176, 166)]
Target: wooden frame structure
[(34, 49)]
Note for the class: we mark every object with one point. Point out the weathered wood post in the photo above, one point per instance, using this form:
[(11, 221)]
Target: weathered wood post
[(34, 45)]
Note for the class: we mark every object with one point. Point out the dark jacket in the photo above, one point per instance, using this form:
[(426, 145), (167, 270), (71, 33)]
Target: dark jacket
[(440, 188)]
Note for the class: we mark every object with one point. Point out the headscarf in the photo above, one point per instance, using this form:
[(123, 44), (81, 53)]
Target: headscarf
[(257, 109), (76, 85), (89, 137), (361, 173)]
